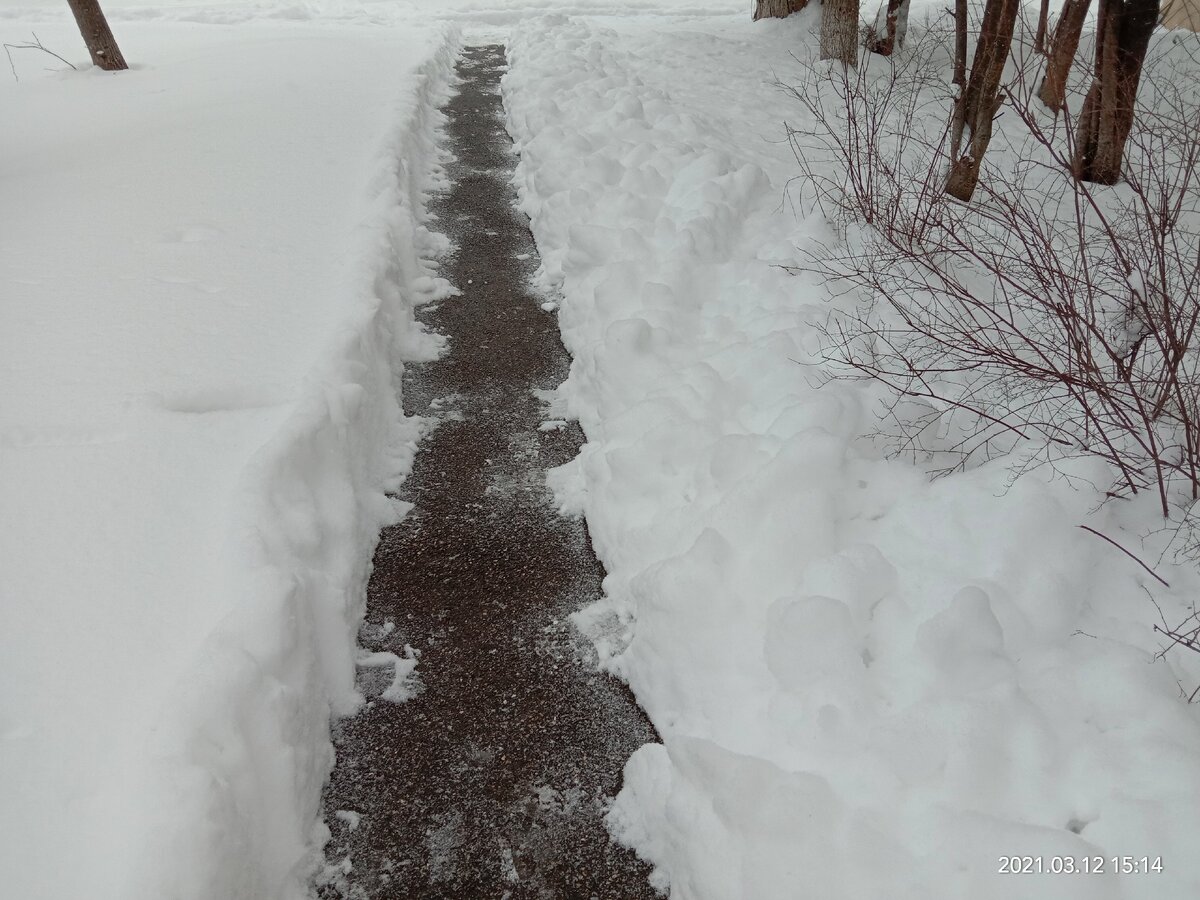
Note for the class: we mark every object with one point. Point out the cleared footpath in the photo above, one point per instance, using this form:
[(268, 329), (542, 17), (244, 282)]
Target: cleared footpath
[(493, 780)]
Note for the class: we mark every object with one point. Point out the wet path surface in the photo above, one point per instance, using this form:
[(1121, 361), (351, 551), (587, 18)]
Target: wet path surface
[(493, 780)]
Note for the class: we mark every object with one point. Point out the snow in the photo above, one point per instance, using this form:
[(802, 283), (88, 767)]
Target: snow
[(205, 276), (467, 13), (868, 684), (402, 684)]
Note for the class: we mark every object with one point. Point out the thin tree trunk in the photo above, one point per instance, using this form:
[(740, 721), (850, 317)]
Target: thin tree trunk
[(97, 35), (958, 119), (960, 42), (1063, 46), (1039, 39), (839, 31), (1123, 33), (777, 9), (891, 24), (982, 98)]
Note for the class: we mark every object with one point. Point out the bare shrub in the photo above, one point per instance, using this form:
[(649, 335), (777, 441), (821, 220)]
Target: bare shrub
[(1051, 315), (1185, 635), (863, 134)]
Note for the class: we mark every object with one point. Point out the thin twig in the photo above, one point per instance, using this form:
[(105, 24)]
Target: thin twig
[(1182, 639), (1161, 617), (35, 45), (1105, 537)]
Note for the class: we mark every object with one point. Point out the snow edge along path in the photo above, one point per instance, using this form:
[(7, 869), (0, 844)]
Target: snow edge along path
[(867, 684), (312, 503)]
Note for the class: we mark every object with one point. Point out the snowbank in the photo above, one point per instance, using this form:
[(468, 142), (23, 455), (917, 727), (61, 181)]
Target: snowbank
[(379, 12), (207, 270), (868, 685)]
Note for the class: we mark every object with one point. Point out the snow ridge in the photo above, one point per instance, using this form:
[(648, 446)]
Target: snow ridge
[(312, 504), (868, 685)]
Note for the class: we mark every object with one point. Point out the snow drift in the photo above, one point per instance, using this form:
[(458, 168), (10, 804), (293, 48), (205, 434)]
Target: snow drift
[(867, 684), (207, 277)]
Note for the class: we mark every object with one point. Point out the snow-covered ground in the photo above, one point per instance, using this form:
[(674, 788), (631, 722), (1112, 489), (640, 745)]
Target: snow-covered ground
[(379, 12), (207, 266), (869, 685)]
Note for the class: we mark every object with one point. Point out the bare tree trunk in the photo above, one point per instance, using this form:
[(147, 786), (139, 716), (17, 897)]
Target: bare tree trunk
[(958, 119), (97, 35), (891, 24), (960, 43), (839, 31), (1122, 35), (1063, 46), (777, 9), (1039, 39), (979, 102)]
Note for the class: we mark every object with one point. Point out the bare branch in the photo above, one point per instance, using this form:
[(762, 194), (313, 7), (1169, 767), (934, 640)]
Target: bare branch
[(35, 44), (1105, 537)]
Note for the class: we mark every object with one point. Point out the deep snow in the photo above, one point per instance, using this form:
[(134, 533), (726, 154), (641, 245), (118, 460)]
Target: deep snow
[(206, 272), (869, 685)]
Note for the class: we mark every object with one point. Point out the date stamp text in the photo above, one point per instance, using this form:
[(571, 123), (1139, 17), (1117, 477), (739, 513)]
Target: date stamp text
[(1080, 865)]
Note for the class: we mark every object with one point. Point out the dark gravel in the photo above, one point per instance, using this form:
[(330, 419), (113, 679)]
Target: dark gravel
[(492, 782)]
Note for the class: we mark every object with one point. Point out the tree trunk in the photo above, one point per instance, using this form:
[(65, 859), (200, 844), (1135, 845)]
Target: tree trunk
[(958, 119), (1122, 35), (97, 35), (839, 31), (960, 43), (1063, 46), (891, 24), (1039, 39), (978, 104), (777, 9)]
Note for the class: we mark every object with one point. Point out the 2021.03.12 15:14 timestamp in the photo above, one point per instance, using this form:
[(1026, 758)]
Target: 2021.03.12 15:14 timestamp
[(1080, 865)]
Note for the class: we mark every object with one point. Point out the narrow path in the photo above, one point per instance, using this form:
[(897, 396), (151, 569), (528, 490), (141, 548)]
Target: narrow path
[(491, 782)]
